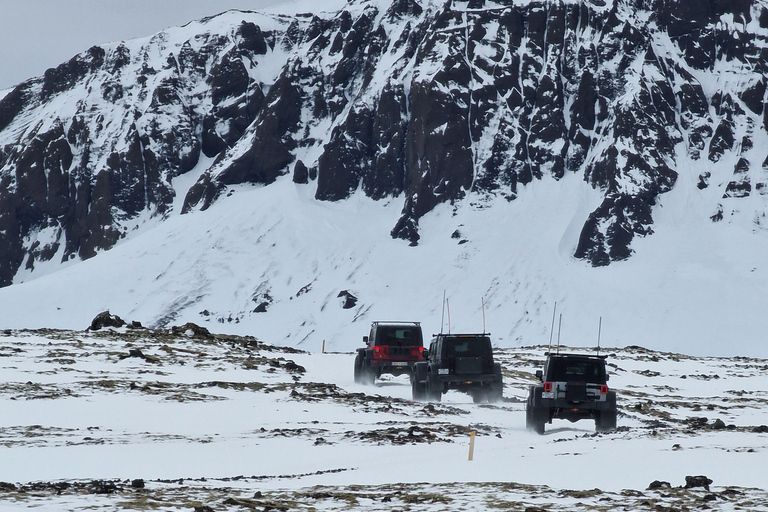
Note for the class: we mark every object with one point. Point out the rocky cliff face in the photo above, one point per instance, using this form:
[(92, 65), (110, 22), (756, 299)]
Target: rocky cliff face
[(422, 101)]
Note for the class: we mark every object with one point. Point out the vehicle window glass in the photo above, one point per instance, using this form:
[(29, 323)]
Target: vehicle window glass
[(468, 347), (583, 370), (399, 336)]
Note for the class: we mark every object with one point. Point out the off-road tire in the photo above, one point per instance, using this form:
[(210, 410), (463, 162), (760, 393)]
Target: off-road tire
[(605, 421), (480, 395), (418, 390), (535, 417), (496, 393), (434, 390), (358, 369), (367, 374)]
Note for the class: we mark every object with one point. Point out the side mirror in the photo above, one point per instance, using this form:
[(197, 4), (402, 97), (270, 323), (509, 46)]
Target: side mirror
[(365, 340), (607, 377), (540, 374)]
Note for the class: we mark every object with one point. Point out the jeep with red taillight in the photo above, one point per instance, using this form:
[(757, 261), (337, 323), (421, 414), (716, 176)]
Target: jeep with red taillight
[(573, 387), (463, 362), (391, 348)]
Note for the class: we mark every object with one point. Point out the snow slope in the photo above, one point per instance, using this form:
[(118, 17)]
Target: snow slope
[(703, 295)]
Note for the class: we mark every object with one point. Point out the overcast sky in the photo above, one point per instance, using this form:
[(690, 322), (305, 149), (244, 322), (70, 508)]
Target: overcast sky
[(38, 34)]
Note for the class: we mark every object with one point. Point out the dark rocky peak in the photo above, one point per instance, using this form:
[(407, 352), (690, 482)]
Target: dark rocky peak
[(65, 76), (424, 102), (403, 8)]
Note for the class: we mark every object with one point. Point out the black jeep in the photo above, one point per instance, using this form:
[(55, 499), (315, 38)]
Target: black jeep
[(391, 347), (458, 361), (573, 387)]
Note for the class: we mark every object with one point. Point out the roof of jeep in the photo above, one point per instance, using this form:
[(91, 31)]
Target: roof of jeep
[(575, 356), (462, 336)]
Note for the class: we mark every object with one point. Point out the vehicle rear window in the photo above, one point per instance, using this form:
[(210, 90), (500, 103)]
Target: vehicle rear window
[(467, 347), (400, 336), (581, 370)]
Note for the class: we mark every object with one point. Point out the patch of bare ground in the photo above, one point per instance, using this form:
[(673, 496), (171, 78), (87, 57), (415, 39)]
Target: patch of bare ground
[(238, 493)]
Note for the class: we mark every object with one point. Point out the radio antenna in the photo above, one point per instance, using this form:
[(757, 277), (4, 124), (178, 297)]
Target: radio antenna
[(552, 327), (442, 318), (482, 304), (559, 327), (599, 332), (448, 308)]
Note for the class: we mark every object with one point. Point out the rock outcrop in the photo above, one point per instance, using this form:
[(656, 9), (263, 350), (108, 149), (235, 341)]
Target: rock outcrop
[(423, 101)]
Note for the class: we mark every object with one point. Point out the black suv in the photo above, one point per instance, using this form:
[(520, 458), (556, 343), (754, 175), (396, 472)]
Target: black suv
[(573, 387), (391, 347), (458, 361)]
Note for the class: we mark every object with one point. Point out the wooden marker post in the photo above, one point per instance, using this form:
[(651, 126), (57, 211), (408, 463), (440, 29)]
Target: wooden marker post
[(472, 444), (323, 346)]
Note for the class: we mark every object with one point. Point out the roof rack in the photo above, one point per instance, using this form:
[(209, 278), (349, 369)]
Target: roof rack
[(595, 356), (395, 322), (462, 335)]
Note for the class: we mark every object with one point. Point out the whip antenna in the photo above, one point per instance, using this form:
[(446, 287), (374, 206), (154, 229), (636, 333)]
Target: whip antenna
[(599, 331), (482, 303), (552, 327), (448, 307), (559, 326), (442, 318)]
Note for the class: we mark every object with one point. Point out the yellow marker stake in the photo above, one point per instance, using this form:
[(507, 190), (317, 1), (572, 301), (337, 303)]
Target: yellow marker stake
[(471, 444)]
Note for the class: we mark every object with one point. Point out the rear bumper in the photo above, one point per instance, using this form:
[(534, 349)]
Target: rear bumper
[(468, 379), (591, 405), (393, 366)]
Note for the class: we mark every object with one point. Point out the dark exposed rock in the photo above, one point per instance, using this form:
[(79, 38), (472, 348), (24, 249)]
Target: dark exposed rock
[(106, 319), (722, 141), (697, 481), (293, 367), (7, 487), (740, 185), (135, 352), (300, 173), (102, 487), (346, 299), (659, 484), (193, 328)]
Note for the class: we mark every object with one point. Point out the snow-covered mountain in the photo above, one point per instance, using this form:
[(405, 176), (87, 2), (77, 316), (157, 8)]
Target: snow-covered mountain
[(519, 153)]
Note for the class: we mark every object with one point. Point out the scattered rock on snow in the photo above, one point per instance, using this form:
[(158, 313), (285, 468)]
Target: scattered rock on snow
[(346, 299), (191, 329), (105, 319), (135, 352), (293, 367), (659, 484), (697, 481)]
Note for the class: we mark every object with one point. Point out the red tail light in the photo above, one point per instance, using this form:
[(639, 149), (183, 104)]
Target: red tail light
[(603, 390), (378, 353), (417, 352), (547, 387)]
